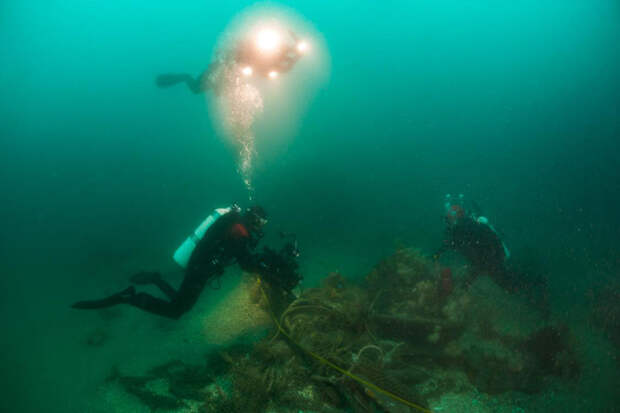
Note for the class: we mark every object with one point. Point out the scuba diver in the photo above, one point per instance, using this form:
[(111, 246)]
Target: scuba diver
[(227, 235), (196, 84), (266, 53), (471, 235)]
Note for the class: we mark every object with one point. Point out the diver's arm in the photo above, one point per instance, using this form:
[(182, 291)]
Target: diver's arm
[(250, 262)]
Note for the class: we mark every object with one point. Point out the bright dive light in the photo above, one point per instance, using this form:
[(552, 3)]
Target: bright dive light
[(273, 74), (247, 71), (302, 46), (267, 40)]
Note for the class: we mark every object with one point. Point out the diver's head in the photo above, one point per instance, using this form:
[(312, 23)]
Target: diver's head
[(255, 218), (454, 213), (454, 209)]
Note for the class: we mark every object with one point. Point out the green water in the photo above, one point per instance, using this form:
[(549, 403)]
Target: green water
[(515, 104)]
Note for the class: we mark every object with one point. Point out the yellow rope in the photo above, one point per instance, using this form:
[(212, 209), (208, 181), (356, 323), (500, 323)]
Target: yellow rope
[(334, 366)]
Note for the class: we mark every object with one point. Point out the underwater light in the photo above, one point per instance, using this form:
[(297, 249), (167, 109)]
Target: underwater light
[(302, 46), (268, 40), (273, 74), (247, 71)]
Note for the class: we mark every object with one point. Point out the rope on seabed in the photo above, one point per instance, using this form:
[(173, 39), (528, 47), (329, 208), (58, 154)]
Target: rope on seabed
[(334, 366)]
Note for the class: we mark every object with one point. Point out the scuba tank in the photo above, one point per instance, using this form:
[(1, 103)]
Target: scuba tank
[(182, 254)]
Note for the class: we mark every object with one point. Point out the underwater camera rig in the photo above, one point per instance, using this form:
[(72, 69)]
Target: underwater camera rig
[(280, 268)]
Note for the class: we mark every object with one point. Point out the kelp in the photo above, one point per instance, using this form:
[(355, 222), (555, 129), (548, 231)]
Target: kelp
[(394, 342)]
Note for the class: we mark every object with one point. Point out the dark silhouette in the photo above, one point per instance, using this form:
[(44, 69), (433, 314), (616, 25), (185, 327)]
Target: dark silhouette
[(232, 237), (478, 243), (245, 59), (470, 235)]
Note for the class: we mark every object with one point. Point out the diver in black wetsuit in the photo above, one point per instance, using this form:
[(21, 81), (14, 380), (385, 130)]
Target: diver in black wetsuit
[(471, 235), (246, 58), (232, 237), (197, 85)]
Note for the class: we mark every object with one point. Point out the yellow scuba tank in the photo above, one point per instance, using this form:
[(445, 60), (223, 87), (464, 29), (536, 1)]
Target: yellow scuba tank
[(182, 254)]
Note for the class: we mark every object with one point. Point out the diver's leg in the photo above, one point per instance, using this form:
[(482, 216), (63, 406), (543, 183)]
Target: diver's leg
[(171, 79), (180, 303), (114, 299), (194, 84), (144, 301), (183, 300), (153, 277), (166, 288), (155, 305)]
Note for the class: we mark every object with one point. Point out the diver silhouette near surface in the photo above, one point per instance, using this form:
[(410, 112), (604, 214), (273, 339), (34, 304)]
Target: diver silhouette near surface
[(267, 53), (232, 235)]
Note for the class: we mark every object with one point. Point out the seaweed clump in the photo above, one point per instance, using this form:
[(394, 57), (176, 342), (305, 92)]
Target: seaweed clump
[(552, 353), (447, 342), (170, 386), (410, 332)]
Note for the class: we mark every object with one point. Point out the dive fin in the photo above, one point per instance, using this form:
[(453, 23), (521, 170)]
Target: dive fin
[(114, 299)]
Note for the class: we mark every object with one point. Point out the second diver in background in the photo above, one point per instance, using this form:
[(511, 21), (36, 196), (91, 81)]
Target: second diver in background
[(471, 235)]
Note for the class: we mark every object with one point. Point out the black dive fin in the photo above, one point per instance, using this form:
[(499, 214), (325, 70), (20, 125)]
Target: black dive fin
[(118, 298)]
